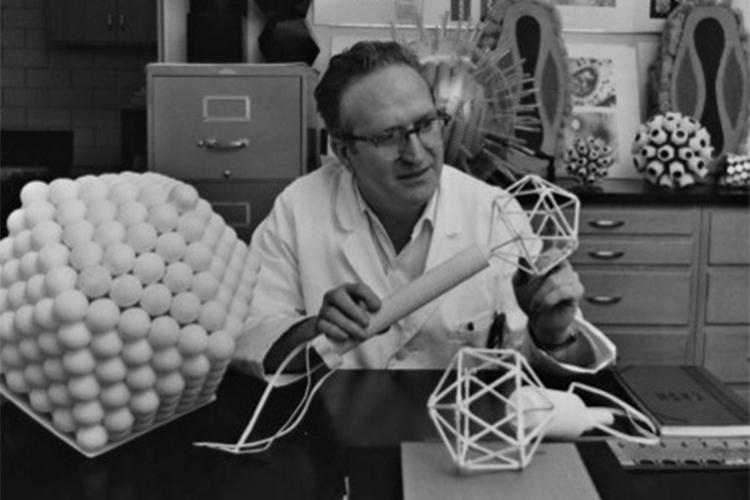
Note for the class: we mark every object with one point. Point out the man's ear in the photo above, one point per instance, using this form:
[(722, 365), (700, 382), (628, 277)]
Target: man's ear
[(343, 151)]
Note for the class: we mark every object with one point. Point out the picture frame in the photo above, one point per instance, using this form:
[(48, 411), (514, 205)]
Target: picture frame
[(605, 101), (649, 16), (596, 16)]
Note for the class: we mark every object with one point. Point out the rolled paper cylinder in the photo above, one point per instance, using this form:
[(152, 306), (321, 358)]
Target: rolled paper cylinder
[(411, 297)]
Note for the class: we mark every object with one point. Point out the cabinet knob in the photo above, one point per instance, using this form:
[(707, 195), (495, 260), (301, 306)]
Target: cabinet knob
[(110, 21), (218, 145), (227, 173), (603, 300), (121, 22), (606, 223), (606, 254)]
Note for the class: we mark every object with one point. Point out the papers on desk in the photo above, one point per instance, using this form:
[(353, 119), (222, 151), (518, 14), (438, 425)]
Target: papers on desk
[(556, 473)]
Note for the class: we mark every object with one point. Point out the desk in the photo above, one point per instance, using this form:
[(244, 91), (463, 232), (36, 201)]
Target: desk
[(353, 429)]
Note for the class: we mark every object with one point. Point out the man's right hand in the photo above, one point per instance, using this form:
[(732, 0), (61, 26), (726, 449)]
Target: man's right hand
[(345, 312)]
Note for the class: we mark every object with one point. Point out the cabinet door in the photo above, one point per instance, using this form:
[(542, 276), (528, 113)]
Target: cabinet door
[(136, 21)]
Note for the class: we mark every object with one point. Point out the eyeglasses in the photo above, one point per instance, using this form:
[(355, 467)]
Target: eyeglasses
[(393, 141)]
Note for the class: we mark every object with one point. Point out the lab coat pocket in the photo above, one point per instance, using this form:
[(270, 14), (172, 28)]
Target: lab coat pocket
[(472, 331)]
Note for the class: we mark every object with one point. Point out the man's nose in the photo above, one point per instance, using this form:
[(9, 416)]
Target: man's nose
[(414, 148)]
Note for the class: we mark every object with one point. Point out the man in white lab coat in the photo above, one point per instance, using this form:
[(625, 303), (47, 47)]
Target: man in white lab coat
[(385, 210)]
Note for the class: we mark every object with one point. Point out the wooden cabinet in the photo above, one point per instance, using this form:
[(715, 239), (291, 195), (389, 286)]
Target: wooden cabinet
[(669, 284), (103, 22)]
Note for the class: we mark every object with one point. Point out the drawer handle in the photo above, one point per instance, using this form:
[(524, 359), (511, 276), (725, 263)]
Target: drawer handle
[(606, 223), (217, 145), (606, 254), (603, 300)]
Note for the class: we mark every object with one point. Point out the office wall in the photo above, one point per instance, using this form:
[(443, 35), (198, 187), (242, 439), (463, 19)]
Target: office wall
[(83, 89)]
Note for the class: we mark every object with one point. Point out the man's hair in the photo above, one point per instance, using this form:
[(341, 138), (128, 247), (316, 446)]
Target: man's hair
[(350, 66)]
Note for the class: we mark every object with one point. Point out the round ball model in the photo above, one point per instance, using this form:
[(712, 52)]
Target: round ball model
[(589, 159), (736, 171), (672, 150)]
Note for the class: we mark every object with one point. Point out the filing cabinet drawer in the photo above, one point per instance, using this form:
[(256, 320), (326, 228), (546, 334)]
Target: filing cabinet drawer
[(728, 298), (727, 353), (729, 237), (652, 348), (639, 221), (594, 250), (228, 121), (636, 297)]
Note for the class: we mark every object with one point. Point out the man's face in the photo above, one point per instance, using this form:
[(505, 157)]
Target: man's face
[(395, 96)]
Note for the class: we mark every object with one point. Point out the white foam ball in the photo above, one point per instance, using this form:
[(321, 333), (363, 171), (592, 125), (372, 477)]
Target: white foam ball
[(102, 315), (11, 272), (69, 211), (84, 388), (193, 340), (167, 360), (59, 395), (60, 279), (131, 213), (184, 196), (92, 189), (123, 192), (34, 374), (163, 217), (178, 277), (38, 211), (45, 233), (164, 332), (115, 395), (205, 286), (23, 321), (54, 371), (106, 344), (8, 332), (3, 299), (78, 362), (198, 256), (12, 358), (17, 295), (85, 255), (49, 344), (118, 258), (149, 268), (204, 211), (134, 324), (77, 232), (94, 281), (16, 382), (101, 211), (6, 250), (44, 314), (89, 413), (156, 299), (152, 194), (74, 335), (109, 232), (62, 189), (39, 401), (111, 371), (171, 247), (238, 308), (34, 191), (52, 256), (35, 289), (137, 353), (191, 227), (141, 378), (71, 306), (62, 419), (142, 237), (225, 295), (233, 326), (21, 243), (28, 267), (16, 221), (212, 316), (218, 268), (185, 307), (126, 290)]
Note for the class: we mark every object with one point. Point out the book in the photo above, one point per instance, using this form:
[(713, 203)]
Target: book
[(687, 401), (556, 472)]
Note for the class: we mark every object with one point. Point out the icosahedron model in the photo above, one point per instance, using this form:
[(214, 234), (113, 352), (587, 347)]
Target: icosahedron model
[(550, 234), (477, 416)]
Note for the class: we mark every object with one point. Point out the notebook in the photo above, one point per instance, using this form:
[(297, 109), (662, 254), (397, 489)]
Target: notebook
[(686, 401), (556, 472)]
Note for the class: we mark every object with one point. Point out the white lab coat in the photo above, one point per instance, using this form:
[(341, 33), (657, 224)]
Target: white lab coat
[(316, 238)]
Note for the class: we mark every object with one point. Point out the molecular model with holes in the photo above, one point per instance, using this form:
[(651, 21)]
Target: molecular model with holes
[(671, 150), (121, 297), (589, 159), (736, 171)]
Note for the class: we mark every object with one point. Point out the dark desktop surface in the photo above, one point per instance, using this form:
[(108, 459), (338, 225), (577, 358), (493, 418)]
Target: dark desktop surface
[(351, 434)]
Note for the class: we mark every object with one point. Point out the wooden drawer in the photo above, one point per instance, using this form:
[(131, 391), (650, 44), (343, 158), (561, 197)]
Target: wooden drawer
[(228, 121), (637, 297), (653, 348), (727, 353), (633, 250), (727, 295), (639, 221), (729, 237)]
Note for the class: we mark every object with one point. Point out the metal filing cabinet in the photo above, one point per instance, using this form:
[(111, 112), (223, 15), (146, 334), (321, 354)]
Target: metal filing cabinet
[(238, 132)]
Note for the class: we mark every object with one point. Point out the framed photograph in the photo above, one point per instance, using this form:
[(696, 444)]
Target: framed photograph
[(596, 15), (606, 101), (649, 15)]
